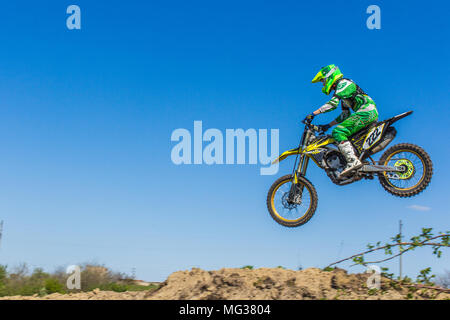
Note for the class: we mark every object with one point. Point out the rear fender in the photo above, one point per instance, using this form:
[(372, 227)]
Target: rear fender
[(397, 117)]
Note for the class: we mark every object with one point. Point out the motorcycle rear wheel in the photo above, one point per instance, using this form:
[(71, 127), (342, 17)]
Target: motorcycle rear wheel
[(417, 174)]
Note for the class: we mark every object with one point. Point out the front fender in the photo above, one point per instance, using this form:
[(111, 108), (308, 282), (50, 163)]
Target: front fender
[(286, 154)]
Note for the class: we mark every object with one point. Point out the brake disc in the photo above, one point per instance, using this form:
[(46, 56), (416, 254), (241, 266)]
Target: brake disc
[(291, 204), (408, 169)]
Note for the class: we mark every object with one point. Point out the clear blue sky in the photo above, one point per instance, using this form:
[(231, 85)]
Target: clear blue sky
[(86, 118)]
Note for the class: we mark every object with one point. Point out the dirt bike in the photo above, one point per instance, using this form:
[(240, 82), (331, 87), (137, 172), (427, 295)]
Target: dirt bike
[(403, 170)]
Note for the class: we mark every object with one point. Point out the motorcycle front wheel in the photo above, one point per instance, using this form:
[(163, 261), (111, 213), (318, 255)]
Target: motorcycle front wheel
[(290, 213)]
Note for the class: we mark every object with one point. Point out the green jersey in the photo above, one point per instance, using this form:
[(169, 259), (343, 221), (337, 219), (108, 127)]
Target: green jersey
[(351, 96)]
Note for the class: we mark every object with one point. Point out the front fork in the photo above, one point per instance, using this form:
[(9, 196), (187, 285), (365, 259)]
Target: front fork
[(303, 165), (297, 189)]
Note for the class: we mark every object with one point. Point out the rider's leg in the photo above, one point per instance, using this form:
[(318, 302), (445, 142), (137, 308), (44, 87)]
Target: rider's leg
[(353, 162), (349, 126)]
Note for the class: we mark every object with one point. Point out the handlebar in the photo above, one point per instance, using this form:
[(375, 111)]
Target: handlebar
[(306, 121), (311, 126)]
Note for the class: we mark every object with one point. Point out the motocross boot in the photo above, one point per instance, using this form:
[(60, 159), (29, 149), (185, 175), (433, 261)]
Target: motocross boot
[(353, 162)]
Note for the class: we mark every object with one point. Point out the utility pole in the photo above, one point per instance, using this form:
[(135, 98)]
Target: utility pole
[(340, 250), (299, 266), (400, 257)]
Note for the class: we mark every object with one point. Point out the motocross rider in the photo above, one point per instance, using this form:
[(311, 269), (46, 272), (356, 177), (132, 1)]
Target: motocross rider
[(352, 97)]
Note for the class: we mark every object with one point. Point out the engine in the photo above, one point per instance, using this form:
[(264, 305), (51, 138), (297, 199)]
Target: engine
[(334, 163)]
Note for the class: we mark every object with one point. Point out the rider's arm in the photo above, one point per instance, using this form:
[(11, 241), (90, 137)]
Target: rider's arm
[(329, 106), (344, 115), (345, 89), (333, 123)]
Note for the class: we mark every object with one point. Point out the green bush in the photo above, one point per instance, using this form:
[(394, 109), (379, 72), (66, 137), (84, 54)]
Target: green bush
[(328, 269), (21, 282), (114, 287), (52, 285)]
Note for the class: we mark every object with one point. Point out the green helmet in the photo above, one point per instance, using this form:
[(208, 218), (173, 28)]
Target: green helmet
[(329, 75)]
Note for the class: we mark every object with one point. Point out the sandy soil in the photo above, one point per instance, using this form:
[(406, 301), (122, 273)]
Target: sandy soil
[(263, 283)]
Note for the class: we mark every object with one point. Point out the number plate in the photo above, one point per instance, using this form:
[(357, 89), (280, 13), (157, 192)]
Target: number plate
[(373, 136)]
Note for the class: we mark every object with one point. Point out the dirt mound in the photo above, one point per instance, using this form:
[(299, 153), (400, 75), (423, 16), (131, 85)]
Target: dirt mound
[(278, 283), (263, 284)]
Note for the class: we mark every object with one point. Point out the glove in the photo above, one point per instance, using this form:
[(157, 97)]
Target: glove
[(323, 127), (309, 118)]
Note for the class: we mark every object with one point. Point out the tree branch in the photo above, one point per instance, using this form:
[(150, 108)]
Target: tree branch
[(422, 286), (411, 245)]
